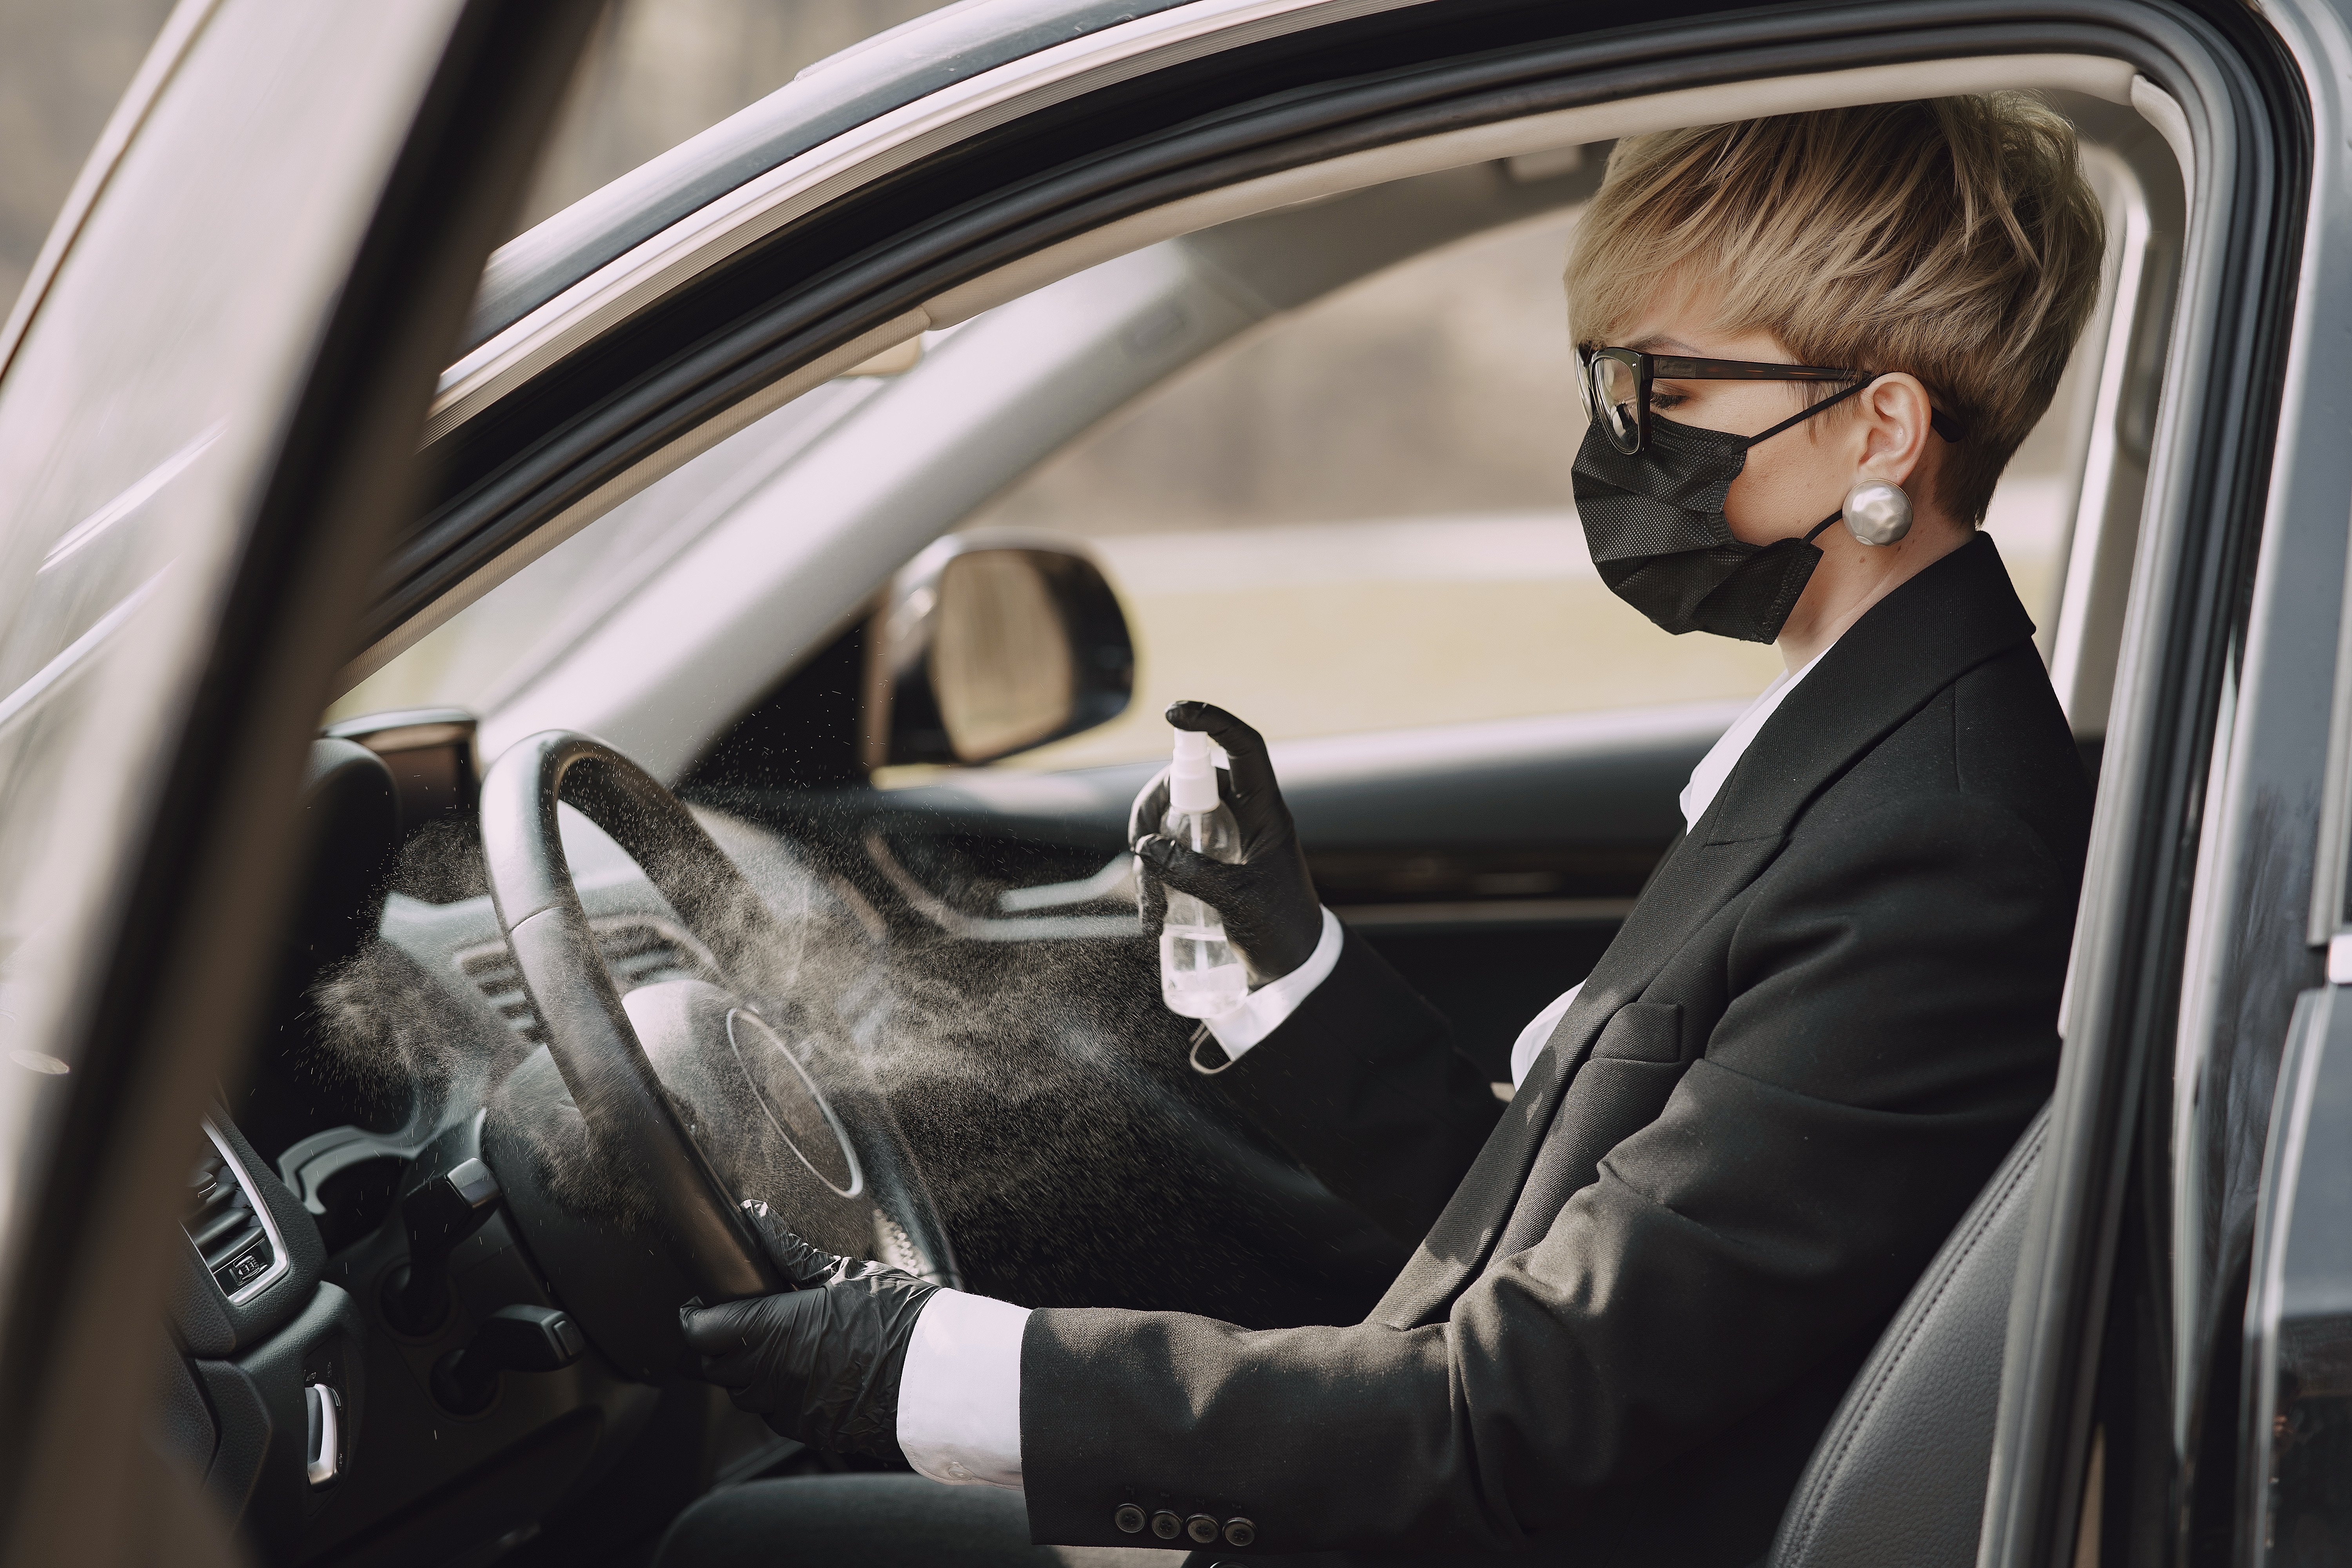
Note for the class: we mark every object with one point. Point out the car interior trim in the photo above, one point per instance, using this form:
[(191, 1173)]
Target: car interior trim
[(1486, 913), (2161, 110), (280, 1260), (2092, 75), (2223, 377), (990, 927), (2105, 524)]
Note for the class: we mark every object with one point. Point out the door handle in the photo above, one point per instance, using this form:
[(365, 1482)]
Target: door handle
[(326, 1445)]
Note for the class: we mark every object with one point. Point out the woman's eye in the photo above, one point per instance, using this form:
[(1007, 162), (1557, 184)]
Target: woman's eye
[(1661, 401)]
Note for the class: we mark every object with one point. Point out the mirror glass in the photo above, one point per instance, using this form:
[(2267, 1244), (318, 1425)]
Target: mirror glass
[(1000, 658)]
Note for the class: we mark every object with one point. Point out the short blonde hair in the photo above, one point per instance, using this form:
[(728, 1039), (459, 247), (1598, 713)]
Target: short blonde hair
[(1954, 238)]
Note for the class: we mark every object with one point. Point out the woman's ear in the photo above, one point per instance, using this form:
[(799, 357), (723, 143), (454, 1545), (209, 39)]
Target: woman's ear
[(1893, 427)]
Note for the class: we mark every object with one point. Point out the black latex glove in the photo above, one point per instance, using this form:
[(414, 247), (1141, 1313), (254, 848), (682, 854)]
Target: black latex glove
[(822, 1361), (1267, 900)]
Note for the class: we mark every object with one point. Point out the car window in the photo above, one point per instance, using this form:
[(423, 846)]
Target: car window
[(1361, 518)]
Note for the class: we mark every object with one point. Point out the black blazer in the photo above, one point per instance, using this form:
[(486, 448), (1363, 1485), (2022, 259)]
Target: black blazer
[(1643, 1286)]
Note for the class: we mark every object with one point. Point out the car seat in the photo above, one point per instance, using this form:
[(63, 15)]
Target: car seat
[(1899, 1475)]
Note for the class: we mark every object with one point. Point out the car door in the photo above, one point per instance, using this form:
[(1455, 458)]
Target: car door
[(212, 390), (2225, 95), (2122, 1430), (888, 200), (2230, 96)]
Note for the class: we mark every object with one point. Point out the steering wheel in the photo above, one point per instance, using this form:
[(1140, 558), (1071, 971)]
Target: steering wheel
[(734, 1100)]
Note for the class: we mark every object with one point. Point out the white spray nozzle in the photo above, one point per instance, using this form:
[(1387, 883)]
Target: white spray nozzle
[(1192, 780)]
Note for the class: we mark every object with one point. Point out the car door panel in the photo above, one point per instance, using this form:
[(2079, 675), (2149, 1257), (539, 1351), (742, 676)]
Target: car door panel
[(208, 423), (1490, 862)]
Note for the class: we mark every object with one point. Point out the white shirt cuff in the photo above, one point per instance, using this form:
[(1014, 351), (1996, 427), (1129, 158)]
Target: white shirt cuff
[(1264, 1010), (960, 1392)]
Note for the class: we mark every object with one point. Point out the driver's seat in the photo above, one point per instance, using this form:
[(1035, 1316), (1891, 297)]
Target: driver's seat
[(1899, 1475)]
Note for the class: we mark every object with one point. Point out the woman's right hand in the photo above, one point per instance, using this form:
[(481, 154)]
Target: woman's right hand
[(1267, 900)]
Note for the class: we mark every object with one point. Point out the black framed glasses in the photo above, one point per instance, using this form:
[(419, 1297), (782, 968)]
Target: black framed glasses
[(1615, 386)]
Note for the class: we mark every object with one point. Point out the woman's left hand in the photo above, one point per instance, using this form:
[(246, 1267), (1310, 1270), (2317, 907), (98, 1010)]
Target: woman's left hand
[(822, 1361)]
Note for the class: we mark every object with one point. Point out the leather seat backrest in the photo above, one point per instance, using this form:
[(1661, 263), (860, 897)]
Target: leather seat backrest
[(1899, 1476)]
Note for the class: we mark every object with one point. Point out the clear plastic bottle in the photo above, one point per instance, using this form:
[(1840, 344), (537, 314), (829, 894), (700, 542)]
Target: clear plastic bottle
[(1201, 976)]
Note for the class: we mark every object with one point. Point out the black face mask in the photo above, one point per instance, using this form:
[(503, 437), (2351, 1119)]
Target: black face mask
[(1653, 522)]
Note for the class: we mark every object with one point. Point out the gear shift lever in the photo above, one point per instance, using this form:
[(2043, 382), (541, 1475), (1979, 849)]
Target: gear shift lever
[(439, 1215)]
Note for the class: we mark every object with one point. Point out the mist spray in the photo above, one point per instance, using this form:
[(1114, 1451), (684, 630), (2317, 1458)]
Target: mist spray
[(1199, 975)]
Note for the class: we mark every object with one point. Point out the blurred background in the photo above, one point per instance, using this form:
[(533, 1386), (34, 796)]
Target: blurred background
[(62, 65), (659, 71), (1357, 517)]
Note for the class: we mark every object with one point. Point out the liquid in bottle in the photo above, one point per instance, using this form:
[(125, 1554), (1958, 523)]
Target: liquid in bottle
[(1201, 976)]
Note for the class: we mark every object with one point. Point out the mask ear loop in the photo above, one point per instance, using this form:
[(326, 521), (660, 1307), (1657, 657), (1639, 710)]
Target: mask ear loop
[(1825, 405), (1799, 419)]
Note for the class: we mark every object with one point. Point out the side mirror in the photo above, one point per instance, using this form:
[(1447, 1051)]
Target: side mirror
[(988, 643), (430, 753)]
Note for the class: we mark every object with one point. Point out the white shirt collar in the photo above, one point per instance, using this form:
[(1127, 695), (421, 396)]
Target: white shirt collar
[(1707, 779)]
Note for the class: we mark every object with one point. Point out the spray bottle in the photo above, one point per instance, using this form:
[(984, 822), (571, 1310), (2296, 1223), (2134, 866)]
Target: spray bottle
[(1199, 975)]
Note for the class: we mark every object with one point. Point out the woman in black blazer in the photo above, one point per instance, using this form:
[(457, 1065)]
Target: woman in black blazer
[(1640, 1287)]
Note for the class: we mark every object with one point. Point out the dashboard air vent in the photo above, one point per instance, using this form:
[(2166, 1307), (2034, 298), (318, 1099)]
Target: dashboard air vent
[(231, 1229), (638, 953)]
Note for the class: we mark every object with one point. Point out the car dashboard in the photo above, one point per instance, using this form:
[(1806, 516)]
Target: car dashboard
[(395, 1122), (337, 1414)]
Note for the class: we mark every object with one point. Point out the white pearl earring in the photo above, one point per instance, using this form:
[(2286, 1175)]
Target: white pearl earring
[(1876, 511)]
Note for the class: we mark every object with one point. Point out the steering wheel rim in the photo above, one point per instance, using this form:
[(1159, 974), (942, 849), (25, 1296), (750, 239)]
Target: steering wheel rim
[(589, 1037)]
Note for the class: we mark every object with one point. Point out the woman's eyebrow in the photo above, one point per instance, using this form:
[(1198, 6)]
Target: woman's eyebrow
[(1665, 345)]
